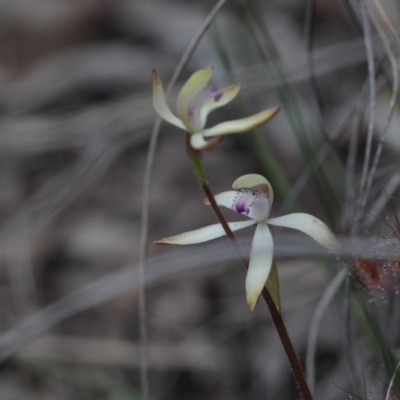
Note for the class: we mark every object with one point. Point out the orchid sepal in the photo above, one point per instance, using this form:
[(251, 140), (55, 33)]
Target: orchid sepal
[(160, 103), (204, 234), (243, 124), (311, 226)]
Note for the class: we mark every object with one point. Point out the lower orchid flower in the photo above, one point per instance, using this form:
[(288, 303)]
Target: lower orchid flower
[(196, 100), (253, 197)]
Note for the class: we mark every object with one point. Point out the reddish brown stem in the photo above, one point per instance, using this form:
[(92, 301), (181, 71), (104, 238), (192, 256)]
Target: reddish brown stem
[(275, 314)]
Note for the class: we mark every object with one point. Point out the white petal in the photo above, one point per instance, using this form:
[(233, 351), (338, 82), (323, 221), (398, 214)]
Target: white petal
[(260, 264), (201, 103), (160, 103), (204, 234), (309, 225), (225, 199), (243, 124), (215, 98)]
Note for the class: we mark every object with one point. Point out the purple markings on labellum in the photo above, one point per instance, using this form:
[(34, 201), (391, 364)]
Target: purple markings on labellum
[(241, 207), (211, 91), (218, 96)]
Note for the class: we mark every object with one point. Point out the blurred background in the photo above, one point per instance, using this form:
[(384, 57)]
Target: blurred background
[(76, 118)]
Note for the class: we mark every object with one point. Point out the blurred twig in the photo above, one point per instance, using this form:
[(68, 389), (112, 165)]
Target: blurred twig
[(193, 354), (372, 102), (175, 263), (44, 206), (390, 187), (390, 387), (115, 120), (393, 100), (315, 325)]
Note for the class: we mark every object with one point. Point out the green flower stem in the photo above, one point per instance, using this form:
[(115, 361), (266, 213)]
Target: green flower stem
[(197, 165), (195, 158)]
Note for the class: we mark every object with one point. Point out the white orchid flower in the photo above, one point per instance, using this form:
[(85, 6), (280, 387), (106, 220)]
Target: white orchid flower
[(253, 197), (196, 100)]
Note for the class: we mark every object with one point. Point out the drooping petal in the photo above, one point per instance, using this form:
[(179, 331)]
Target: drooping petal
[(250, 202), (243, 124), (211, 99), (160, 103), (309, 225), (260, 264), (193, 86), (204, 234)]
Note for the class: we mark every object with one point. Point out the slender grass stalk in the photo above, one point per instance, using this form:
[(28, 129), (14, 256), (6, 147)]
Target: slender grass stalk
[(393, 100), (315, 325), (379, 340), (195, 158), (144, 224), (390, 387), (309, 25), (303, 135), (372, 105)]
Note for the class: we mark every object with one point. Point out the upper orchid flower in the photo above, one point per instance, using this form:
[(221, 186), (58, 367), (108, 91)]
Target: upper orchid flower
[(253, 196), (196, 100)]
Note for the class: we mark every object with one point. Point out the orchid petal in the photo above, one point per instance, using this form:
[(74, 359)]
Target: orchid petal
[(204, 234), (215, 98), (309, 225), (260, 264), (194, 85), (243, 124), (160, 103), (225, 199)]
